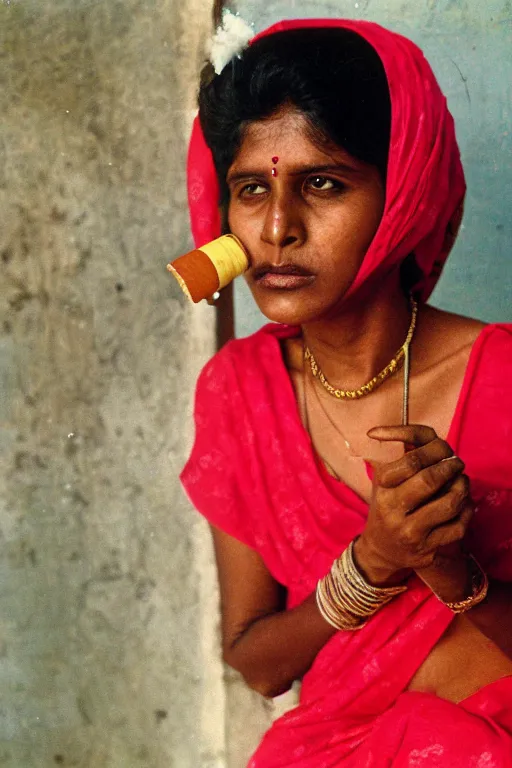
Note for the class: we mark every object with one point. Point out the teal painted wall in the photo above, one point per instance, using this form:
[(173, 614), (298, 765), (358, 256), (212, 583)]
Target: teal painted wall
[(469, 45)]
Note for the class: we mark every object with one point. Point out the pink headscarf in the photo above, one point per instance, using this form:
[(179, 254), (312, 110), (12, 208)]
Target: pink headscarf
[(425, 181)]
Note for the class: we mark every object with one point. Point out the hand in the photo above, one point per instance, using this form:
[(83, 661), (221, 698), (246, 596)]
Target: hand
[(420, 504)]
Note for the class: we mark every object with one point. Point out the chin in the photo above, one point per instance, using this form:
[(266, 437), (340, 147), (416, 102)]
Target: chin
[(289, 307), (298, 307)]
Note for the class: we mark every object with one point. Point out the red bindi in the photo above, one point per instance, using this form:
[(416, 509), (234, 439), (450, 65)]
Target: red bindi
[(275, 159)]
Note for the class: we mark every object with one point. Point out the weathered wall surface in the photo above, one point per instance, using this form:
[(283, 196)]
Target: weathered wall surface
[(468, 44), (107, 604)]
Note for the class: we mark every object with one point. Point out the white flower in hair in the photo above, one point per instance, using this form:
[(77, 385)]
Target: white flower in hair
[(230, 39)]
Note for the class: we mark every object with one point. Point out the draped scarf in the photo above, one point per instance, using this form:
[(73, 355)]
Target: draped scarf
[(425, 184)]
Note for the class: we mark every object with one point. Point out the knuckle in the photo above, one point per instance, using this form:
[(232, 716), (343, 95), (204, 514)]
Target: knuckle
[(446, 470), (454, 501), (429, 480), (414, 462), (391, 521), (458, 464), (402, 506), (425, 560), (459, 486), (421, 430), (444, 448), (453, 467), (458, 494), (429, 433), (396, 522), (458, 531), (465, 516), (409, 535)]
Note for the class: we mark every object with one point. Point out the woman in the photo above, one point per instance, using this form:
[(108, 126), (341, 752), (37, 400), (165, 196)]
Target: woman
[(353, 555)]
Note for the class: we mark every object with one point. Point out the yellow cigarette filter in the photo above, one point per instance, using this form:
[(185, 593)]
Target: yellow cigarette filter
[(210, 268)]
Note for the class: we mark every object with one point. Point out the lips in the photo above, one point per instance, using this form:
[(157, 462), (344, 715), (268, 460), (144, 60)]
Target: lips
[(282, 269), (286, 277)]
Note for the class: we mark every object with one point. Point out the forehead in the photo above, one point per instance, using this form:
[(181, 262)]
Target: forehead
[(289, 136)]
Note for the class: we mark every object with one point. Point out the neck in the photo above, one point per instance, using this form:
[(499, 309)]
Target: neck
[(366, 332)]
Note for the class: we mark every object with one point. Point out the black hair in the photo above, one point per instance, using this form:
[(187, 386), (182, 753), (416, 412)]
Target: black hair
[(332, 75)]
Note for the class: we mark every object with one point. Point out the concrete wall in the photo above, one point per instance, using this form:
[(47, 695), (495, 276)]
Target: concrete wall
[(468, 44), (108, 652)]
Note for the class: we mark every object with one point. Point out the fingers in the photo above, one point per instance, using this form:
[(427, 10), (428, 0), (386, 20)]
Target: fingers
[(453, 531), (445, 509), (393, 474), (436, 525), (442, 521), (426, 484), (420, 502), (415, 435)]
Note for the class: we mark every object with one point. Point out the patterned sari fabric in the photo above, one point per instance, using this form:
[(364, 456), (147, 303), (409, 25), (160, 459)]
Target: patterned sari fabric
[(253, 471)]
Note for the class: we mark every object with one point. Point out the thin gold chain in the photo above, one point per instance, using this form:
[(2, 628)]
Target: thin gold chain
[(405, 405), (329, 418), (350, 449), (366, 389)]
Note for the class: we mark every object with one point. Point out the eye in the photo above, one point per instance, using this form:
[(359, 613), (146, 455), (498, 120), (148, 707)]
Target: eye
[(323, 184), (252, 190)]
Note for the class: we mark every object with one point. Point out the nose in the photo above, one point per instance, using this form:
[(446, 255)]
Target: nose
[(283, 225)]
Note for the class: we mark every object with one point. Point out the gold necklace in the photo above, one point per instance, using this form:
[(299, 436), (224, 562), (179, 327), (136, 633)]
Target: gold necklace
[(393, 366), (352, 454)]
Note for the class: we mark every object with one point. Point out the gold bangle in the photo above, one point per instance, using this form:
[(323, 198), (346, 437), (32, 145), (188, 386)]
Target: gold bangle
[(345, 599), (337, 602), (479, 586), (334, 617), (356, 575)]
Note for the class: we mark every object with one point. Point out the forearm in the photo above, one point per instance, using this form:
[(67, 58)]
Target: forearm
[(275, 650)]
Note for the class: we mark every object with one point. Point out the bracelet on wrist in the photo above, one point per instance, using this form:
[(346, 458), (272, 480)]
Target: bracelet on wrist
[(344, 597), (479, 589)]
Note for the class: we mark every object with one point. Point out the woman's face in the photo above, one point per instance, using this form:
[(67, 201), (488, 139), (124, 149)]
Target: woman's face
[(308, 224)]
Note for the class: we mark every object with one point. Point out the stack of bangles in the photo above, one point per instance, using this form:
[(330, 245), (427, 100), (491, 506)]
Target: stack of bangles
[(346, 600), (344, 597)]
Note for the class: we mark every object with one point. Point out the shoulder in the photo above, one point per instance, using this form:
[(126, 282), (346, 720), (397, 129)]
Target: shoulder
[(457, 331), (454, 341), (485, 344), (444, 334)]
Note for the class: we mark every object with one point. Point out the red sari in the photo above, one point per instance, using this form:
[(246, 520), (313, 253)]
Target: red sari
[(253, 471), (254, 474)]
